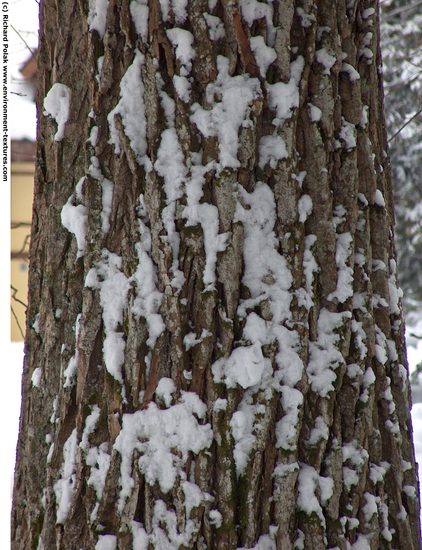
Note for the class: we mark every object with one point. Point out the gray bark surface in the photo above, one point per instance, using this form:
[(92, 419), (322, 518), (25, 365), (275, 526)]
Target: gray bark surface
[(345, 472)]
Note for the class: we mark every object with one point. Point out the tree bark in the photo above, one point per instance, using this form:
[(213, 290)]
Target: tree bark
[(215, 351)]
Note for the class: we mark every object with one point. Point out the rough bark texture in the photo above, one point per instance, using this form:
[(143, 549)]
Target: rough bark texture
[(313, 448)]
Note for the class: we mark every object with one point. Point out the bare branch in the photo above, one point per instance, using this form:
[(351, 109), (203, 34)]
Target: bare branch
[(17, 321), (400, 10), (14, 292), (23, 40), (404, 125), (21, 254), (15, 225)]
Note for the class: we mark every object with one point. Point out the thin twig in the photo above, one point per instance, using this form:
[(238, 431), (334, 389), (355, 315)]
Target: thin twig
[(15, 225), (15, 291), (25, 242), (414, 64), (17, 321), (21, 254), (23, 39), (400, 10), (404, 125)]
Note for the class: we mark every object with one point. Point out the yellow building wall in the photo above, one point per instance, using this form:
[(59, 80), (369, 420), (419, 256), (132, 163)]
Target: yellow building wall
[(22, 189)]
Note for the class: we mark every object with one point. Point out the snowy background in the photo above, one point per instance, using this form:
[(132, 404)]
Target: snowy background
[(24, 18)]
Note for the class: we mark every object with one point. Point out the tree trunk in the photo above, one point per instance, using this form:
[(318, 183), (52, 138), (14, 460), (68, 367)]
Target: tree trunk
[(214, 353)]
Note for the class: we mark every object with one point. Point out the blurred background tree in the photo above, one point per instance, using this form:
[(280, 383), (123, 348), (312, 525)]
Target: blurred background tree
[(401, 41)]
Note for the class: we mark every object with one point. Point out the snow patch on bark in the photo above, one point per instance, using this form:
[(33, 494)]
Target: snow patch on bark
[(74, 218), (265, 542), (253, 10), (182, 87), (165, 529), (96, 457), (310, 266), (140, 536), (304, 208), (156, 434), (168, 533), (94, 171), (90, 425), (170, 166), (99, 459), (165, 390), (114, 286), (175, 7), (148, 298), (268, 279), (344, 261), (245, 367), (36, 377), (284, 97), (324, 356), (242, 429), (347, 135), (206, 215), (139, 11), (395, 292), (315, 113), (231, 99), (57, 105), (131, 108), (310, 484), (266, 273), (70, 371), (264, 55), (271, 149), (325, 59), (97, 16), (287, 427), (194, 497), (355, 459), (215, 27), (106, 542), (182, 42), (190, 340), (351, 72), (65, 486)]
